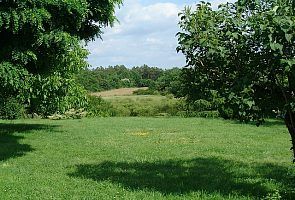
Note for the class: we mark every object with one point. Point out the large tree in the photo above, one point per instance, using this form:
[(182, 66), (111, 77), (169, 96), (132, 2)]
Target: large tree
[(41, 48), (246, 52)]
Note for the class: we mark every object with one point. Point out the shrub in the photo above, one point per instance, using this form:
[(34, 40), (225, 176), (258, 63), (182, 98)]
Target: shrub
[(75, 114), (70, 114), (208, 114), (201, 105), (55, 94), (226, 113), (168, 106), (99, 108), (121, 111), (11, 108)]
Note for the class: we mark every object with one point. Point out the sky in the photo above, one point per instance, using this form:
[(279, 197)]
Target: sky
[(145, 34)]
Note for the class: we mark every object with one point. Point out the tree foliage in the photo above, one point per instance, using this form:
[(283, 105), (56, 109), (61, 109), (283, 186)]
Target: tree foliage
[(111, 77), (246, 52), (41, 48), (169, 82)]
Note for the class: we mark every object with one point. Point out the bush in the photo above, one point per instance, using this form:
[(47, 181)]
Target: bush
[(97, 107), (11, 108), (208, 114), (168, 106), (201, 105), (70, 114), (121, 111), (226, 113)]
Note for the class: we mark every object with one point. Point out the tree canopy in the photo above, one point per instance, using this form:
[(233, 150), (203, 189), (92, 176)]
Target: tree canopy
[(246, 52), (41, 48)]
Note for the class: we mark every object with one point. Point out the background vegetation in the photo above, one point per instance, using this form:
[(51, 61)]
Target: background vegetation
[(165, 95), (107, 78)]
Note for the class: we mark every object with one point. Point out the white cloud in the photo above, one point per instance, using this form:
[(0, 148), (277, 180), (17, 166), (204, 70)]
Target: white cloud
[(145, 35)]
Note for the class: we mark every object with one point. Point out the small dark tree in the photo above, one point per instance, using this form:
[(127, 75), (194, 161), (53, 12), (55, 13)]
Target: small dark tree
[(246, 52), (41, 48)]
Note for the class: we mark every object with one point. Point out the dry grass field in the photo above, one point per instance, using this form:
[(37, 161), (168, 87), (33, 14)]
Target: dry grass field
[(118, 92)]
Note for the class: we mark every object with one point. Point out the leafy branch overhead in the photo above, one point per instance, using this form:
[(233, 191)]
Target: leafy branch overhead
[(42, 39)]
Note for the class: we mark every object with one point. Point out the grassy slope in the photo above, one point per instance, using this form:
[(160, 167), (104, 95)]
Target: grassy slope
[(143, 158)]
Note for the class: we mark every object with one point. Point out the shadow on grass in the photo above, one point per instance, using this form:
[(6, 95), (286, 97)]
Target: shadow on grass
[(11, 134), (267, 123), (274, 122), (210, 175)]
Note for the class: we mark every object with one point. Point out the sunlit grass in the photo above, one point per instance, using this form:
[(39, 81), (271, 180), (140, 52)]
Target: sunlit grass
[(144, 158)]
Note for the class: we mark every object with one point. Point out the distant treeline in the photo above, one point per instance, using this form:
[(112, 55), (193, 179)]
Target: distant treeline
[(119, 76)]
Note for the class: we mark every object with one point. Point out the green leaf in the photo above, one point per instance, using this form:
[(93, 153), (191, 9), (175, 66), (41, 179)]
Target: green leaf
[(289, 37), (276, 46), (275, 9)]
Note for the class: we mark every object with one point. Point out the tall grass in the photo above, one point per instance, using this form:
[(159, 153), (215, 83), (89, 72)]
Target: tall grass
[(144, 105)]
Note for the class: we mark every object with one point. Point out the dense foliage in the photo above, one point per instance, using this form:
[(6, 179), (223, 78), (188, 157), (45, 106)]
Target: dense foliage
[(41, 48), (245, 51)]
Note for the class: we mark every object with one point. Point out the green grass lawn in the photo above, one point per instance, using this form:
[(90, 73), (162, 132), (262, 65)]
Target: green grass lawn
[(144, 158)]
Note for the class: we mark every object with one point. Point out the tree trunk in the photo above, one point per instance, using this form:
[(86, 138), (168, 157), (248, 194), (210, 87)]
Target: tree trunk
[(290, 123)]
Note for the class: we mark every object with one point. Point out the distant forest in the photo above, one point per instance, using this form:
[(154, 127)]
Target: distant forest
[(119, 76)]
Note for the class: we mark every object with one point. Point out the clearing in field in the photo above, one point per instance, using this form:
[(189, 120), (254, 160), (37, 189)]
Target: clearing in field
[(118, 92), (144, 158)]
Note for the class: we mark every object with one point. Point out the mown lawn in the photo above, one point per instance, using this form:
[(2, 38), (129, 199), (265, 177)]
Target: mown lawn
[(144, 158)]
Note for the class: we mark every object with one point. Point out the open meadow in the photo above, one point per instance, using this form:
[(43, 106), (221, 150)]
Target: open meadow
[(124, 103), (144, 158), (118, 92)]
